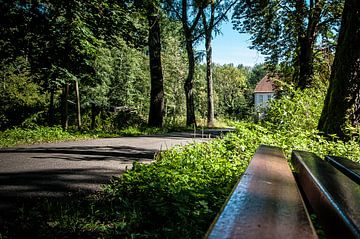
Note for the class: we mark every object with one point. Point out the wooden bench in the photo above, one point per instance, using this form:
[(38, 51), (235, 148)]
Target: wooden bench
[(267, 201), (331, 193)]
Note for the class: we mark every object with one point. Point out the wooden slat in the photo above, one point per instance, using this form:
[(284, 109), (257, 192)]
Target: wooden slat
[(334, 197), (265, 203), (348, 167)]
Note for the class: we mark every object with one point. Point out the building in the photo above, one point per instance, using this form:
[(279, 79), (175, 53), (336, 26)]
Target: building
[(264, 91)]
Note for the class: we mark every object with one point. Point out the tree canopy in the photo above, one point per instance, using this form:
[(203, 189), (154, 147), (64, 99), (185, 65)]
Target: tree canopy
[(290, 32)]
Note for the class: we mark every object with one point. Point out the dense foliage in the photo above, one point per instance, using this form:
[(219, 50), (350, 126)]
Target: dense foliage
[(47, 46), (291, 34)]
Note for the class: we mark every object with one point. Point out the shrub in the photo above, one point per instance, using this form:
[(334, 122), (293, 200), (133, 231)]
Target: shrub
[(127, 117), (296, 109)]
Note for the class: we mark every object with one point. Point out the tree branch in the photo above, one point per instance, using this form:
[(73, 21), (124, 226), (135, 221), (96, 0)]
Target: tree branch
[(173, 9)]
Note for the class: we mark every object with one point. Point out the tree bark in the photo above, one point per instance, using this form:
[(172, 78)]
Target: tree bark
[(51, 113), (209, 26), (78, 114), (306, 39), (189, 84), (306, 70), (209, 80), (189, 30), (156, 112), (94, 113), (342, 103), (64, 111)]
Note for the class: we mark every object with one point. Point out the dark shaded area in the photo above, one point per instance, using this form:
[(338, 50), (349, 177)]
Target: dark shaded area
[(51, 183), (342, 102), (119, 151), (21, 185)]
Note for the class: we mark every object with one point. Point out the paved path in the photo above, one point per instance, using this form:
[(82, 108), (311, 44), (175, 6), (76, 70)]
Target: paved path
[(54, 169)]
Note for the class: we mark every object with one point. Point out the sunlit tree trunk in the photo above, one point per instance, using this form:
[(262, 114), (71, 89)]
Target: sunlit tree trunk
[(189, 82), (342, 103), (209, 26), (209, 80)]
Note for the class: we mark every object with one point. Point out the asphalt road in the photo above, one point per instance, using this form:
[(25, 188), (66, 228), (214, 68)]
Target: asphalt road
[(55, 169)]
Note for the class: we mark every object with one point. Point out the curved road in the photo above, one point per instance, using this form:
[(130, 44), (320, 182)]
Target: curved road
[(55, 169)]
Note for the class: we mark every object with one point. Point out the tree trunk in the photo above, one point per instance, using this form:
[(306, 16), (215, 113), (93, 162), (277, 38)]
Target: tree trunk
[(156, 112), (64, 110), (209, 80), (78, 114), (209, 26), (342, 103), (306, 39), (94, 113), (189, 83), (306, 70), (51, 113)]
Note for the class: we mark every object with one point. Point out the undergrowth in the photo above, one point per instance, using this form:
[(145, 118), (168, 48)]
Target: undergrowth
[(179, 195), (20, 136), (41, 134)]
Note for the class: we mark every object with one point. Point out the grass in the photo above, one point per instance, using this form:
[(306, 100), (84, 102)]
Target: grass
[(22, 136), (41, 134)]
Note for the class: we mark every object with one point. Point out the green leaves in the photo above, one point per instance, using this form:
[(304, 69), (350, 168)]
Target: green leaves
[(183, 190)]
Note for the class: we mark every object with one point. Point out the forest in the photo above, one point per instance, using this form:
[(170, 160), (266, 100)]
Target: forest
[(92, 69), (85, 69)]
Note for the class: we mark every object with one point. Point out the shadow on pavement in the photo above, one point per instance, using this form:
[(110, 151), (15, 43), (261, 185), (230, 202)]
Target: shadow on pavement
[(205, 133), (50, 183), (119, 151)]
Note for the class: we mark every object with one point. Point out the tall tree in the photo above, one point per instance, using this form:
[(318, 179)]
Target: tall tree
[(342, 103), (156, 112), (212, 16), (183, 10), (288, 30)]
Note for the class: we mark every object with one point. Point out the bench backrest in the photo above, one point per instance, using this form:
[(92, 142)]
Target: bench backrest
[(265, 203), (333, 195), (346, 166)]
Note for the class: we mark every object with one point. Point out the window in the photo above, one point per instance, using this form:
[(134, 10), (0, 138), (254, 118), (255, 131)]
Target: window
[(261, 98)]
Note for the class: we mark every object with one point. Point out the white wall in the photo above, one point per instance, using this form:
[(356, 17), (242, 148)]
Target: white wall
[(261, 99)]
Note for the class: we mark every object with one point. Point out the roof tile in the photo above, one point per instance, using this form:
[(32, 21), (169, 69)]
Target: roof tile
[(265, 85)]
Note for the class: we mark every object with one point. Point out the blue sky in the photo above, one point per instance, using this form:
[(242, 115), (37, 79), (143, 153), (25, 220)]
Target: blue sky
[(233, 47)]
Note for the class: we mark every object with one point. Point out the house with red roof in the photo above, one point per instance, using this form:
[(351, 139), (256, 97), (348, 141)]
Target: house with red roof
[(264, 91)]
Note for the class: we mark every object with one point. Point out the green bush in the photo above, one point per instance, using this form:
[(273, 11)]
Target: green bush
[(296, 109), (179, 194), (126, 118)]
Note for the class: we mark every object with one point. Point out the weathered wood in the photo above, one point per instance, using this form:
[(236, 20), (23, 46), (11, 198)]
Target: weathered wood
[(266, 202), (334, 197), (346, 166)]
